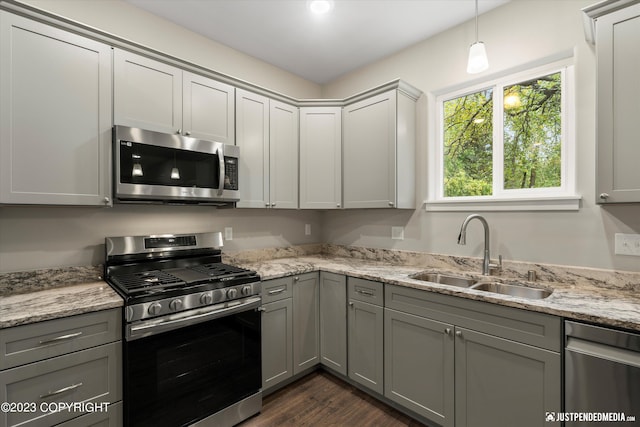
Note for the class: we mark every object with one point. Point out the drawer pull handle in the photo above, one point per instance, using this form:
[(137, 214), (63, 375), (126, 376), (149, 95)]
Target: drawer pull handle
[(62, 390), (276, 291), (61, 338), (367, 293)]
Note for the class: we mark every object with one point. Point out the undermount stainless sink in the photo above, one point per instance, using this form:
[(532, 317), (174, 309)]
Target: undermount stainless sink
[(443, 279), (515, 290)]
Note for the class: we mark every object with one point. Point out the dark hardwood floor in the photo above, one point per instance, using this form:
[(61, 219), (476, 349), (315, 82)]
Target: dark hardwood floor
[(321, 399)]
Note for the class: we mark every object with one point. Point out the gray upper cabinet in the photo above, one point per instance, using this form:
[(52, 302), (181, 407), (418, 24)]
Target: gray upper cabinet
[(320, 157), (379, 151), (333, 321), (267, 134), (55, 115), (618, 58), (153, 95)]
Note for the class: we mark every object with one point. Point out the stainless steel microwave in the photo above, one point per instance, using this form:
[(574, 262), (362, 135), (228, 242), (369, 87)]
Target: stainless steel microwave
[(164, 168)]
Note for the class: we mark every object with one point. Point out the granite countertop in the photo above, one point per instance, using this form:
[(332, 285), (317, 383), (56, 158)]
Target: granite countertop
[(580, 298), (29, 297), (605, 297)]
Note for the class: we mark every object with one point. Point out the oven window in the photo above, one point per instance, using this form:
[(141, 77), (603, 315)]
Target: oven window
[(182, 376), (154, 165)]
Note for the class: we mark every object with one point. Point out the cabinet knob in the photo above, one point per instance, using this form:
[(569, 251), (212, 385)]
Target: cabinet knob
[(179, 131), (187, 133), (350, 304), (273, 205), (447, 331), (106, 200), (604, 196), (391, 204), (338, 205), (261, 309), (459, 333), (295, 279)]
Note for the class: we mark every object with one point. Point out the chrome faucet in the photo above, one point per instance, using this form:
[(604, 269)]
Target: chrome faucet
[(462, 240)]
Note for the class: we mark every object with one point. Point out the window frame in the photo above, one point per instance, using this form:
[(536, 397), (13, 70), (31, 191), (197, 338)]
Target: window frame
[(556, 198)]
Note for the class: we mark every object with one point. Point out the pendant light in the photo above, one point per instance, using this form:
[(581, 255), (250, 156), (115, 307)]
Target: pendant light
[(478, 61)]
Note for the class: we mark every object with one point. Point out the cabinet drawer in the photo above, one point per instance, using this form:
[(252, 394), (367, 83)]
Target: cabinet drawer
[(277, 289), (537, 329), (365, 290), (111, 418), (92, 375), (37, 341)]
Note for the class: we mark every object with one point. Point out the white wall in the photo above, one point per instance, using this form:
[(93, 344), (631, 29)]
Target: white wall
[(517, 33)]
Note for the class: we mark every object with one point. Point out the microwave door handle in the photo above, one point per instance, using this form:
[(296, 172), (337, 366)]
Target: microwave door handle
[(221, 170)]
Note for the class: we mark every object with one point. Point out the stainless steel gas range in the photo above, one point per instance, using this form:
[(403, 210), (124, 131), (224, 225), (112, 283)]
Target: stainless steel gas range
[(192, 350)]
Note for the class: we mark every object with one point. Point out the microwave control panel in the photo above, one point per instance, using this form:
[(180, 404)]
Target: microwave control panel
[(231, 173)]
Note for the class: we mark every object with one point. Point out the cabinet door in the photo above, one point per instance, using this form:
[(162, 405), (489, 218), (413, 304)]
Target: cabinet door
[(208, 109), (147, 93), (503, 383), (252, 136), (320, 157), (306, 328), (333, 321), (369, 147), (55, 115), (283, 155), (277, 337), (618, 38), (365, 347), (418, 365)]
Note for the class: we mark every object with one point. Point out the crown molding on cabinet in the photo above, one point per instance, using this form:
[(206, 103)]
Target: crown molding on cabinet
[(114, 40), (590, 15)]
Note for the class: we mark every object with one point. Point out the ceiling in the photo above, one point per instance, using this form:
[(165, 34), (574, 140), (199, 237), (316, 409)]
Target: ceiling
[(318, 48)]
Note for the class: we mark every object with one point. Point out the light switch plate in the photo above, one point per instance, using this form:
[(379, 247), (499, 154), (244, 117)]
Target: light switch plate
[(397, 233), (228, 233), (627, 244)]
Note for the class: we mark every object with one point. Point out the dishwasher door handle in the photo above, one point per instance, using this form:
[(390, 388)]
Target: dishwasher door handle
[(603, 351)]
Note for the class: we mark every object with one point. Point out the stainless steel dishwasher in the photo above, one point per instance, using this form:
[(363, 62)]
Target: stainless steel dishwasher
[(602, 376)]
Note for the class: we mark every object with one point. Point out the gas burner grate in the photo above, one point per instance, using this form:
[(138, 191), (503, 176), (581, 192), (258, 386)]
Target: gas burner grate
[(146, 280), (218, 269)]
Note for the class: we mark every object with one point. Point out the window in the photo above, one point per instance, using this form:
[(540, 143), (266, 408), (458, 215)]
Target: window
[(509, 139)]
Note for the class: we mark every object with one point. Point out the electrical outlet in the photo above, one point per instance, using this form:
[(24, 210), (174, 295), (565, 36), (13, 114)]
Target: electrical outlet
[(627, 244), (307, 229), (397, 233), (228, 233)]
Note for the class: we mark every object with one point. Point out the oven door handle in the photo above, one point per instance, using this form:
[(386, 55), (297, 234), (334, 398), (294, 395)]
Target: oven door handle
[(158, 326)]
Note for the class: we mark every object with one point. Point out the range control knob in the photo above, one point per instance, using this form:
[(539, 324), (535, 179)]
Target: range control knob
[(175, 305), (155, 309), (232, 293), (206, 299), (246, 290)]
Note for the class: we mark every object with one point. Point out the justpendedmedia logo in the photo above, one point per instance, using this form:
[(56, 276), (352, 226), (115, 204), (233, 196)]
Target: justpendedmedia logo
[(593, 417)]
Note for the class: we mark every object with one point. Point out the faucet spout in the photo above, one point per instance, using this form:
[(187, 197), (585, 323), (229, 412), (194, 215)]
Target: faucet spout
[(462, 240)]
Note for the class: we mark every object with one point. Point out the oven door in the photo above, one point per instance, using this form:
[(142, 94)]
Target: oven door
[(182, 375)]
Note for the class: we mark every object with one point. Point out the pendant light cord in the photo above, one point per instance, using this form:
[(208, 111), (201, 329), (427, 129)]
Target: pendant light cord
[(476, 21)]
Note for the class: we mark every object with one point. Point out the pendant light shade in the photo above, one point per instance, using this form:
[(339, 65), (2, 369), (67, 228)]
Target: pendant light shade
[(478, 61)]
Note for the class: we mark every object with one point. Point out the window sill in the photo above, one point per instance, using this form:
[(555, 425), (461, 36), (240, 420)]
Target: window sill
[(563, 203)]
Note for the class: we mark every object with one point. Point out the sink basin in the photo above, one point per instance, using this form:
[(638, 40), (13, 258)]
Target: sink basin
[(515, 290), (443, 279)]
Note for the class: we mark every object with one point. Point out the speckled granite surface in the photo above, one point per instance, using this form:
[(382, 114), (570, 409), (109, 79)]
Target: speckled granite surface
[(601, 296)]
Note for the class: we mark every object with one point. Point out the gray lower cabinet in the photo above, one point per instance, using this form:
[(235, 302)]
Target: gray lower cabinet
[(79, 361), (306, 325), (277, 331), (366, 333), (111, 418), (419, 365), (333, 321), (466, 363)]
